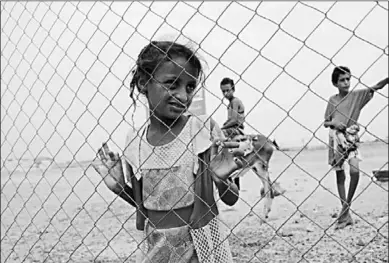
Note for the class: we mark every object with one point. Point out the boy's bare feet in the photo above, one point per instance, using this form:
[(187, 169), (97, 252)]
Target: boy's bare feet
[(344, 221)]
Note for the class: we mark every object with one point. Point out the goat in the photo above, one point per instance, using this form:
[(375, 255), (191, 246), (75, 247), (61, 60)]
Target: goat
[(258, 152)]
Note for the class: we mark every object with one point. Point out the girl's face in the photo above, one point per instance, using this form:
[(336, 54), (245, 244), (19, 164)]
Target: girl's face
[(171, 91)]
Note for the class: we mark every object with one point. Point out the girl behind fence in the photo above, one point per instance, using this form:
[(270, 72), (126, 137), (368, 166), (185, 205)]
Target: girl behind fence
[(174, 163)]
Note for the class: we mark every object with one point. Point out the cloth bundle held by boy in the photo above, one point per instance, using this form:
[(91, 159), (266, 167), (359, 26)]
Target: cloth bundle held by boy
[(177, 166), (341, 116), (346, 141)]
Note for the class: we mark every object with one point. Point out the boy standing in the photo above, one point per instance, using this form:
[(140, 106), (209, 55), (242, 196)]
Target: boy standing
[(341, 116)]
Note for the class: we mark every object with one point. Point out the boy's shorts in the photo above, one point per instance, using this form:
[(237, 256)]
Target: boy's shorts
[(331, 153), (353, 154)]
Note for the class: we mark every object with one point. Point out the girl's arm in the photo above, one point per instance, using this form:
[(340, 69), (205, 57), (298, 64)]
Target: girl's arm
[(228, 191), (126, 193), (109, 166)]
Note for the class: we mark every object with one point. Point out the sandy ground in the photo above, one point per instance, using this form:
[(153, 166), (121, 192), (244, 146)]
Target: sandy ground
[(68, 216)]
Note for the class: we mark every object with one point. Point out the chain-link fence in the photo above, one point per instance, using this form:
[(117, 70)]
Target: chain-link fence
[(65, 84)]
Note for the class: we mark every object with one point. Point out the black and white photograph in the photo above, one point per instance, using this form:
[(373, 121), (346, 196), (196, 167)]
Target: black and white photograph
[(194, 131)]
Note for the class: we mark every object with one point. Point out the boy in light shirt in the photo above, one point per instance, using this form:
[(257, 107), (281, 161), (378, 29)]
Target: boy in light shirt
[(341, 116)]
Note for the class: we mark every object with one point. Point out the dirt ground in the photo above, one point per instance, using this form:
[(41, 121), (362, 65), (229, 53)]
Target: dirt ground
[(67, 216)]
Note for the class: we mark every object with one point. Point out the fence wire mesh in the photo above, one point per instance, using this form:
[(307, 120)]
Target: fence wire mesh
[(65, 84)]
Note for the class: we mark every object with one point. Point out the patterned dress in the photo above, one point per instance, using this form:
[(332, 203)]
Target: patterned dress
[(168, 183)]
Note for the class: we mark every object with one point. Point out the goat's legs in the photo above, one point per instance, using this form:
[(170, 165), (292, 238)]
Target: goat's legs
[(263, 175)]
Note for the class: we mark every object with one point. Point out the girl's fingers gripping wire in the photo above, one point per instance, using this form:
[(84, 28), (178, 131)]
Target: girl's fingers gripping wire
[(101, 161), (101, 154), (112, 156), (108, 153), (233, 147), (232, 151)]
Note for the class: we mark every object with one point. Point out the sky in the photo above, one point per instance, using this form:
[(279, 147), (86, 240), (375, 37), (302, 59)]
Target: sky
[(65, 67)]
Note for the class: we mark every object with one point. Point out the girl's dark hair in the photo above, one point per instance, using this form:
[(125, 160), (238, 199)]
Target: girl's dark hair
[(226, 81), (155, 54), (337, 72)]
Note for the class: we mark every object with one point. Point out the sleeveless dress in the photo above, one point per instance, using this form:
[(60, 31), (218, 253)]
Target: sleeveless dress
[(168, 174)]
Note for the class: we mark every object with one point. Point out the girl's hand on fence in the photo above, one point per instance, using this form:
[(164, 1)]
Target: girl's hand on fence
[(109, 166), (224, 160)]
